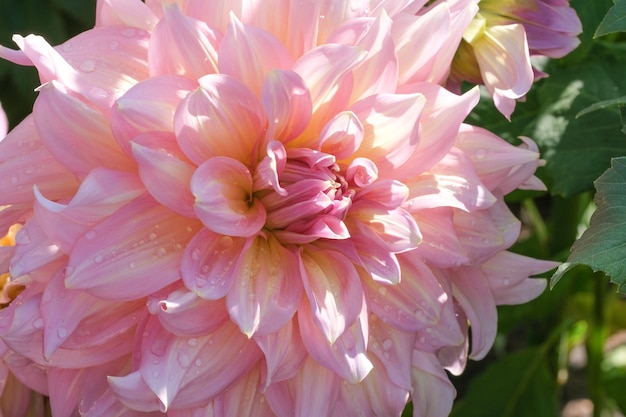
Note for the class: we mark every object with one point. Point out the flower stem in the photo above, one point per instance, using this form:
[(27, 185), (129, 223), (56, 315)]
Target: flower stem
[(595, 344)]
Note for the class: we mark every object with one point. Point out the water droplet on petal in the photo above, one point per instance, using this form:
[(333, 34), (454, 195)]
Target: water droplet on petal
[(132, 265), (30, 169), (61, 332), (192, 342), (198, 362), (88, 65), (183, 359), (22, 237), (98, 259), (201, 281), (152, 236), (195, 254), (480, 153), (38, 323), (382, 291), (128, 32), (226, 241), (159, 252), (91, 235), (114, 45), (387, 344)]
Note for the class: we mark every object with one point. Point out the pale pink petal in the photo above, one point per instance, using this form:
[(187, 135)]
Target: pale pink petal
[(222, 117), (390, 123), (182, 45), (222, 188), (284, 352), (267, 287), (133, 392), (441, 117), (329, 93), (143, 260), (33, 249), (311, 393), (270, 168), (101, 193), (451, 183), (29, 373), (373, 255), (418, 42), (185, 314), (169, 363), (149, 106), (342, 136), (388, 193), (376, 395), (25, 162), (391, 350), (433, 393), (64, 389), (132, 13), (440, 244), (333, 288), (346, 356), (164, 171), (470, 289), (244, 398), (287, 102), (248, 54), (378, 72), (412, 304), (208, 264)]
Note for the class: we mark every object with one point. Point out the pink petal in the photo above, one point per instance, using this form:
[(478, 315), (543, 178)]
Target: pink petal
[(375, 258), (64, 390), (187, 372), (284, 352), (101, 193), (378, 72), (333, 287), (451, 183), (133, 392), (164, 171), (329, 94), (412, 304), (29, 373), (185, 314), (418, 42), (128, 13), (440, 244), (244, 398), (25, 162), (149, 106), (4, 123), (222, 188), (222, 117), (433, 393), (391, 350), (342, 135), (146, 258), (208, 264), (311, 393), (471, 290), (346, 356), (267, 287), (388, 193), (182, 45), (248, 54), (442, 115), (33, 249), (391, 128), (287, 102)]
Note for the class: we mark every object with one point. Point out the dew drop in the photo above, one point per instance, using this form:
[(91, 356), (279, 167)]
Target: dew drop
[(152, 236), (226, 241), (14, 180), (161, 251), (155, 374), (506, 281), (91, 235), (67, 46), (198, 362), (114, 45), (387, 344), (30, 169), (195, 254), (480, 153), (89, 65), (98, 259), (183, 359), (132, 265), (382, 291), (201, 281), (61, 332), (192, 342), (128, 32), (38, 323)]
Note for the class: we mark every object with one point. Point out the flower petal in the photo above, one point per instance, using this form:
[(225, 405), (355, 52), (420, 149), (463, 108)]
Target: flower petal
[(222, 188), (249, 54), (342, 135), (164, 171), (267, 288), (146, 258), (182, 45), (128, 13), (433, 393), (208, 264), (223, 117), (333, 288)]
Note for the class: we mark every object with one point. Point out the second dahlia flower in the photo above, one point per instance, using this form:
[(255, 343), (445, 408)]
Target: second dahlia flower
[(236, 210), (504, 35)]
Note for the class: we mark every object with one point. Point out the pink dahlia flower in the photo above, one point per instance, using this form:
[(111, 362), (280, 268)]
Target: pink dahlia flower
[(498, 45), (236, 210)]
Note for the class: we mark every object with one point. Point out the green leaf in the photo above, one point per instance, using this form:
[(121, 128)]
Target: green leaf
[(614, 21), (603, 245), (519, 385), (602, 105)]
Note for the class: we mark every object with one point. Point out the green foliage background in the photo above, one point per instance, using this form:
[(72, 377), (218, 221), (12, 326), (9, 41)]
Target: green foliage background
[(577, 116)]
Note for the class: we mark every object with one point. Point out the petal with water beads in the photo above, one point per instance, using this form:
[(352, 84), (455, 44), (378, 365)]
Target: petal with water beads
[(433, 393), (267, 288), (142, 260), (209, 263), (127, 13)]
